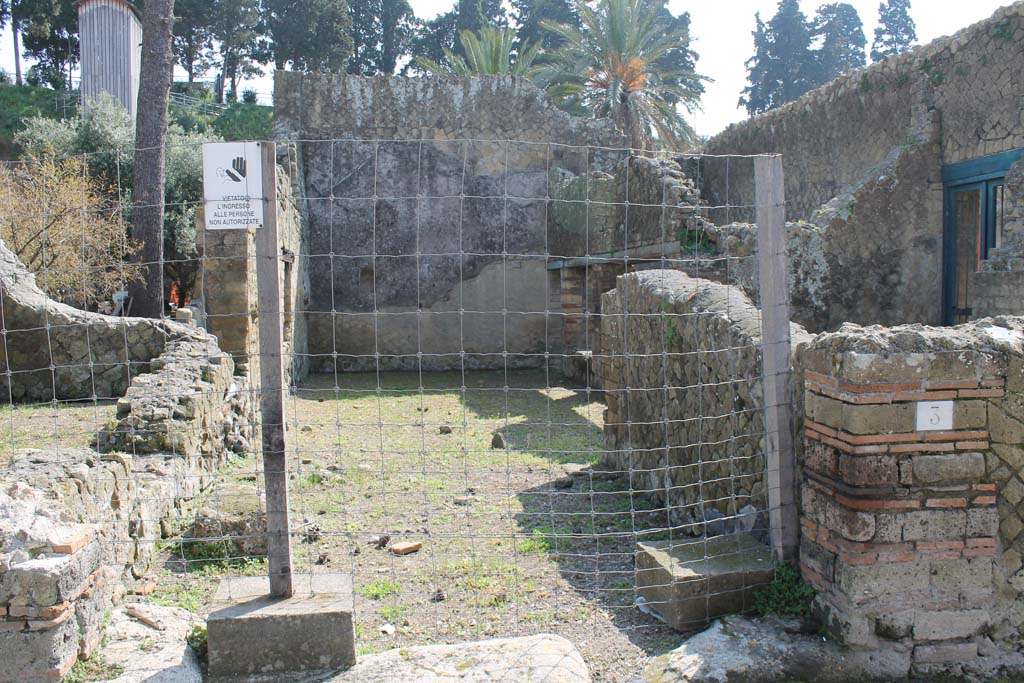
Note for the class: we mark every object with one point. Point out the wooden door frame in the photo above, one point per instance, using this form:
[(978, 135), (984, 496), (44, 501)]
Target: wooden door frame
[(981, 174)]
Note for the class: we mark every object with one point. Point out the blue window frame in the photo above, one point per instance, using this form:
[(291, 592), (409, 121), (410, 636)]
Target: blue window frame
[(973, 218)]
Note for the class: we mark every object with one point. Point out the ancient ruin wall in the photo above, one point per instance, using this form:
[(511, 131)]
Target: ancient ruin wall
[(446, 238), (228, 280), (875, 141), (870, 255), (49, 350), (833, 135), (73, 521), (680, 364), (912, 531)]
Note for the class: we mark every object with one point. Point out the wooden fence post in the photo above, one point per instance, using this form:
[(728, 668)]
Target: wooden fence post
[(776, 354), (275, 465)]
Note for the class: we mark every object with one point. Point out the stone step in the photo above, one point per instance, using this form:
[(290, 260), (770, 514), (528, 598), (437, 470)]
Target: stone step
[(690, 582), (249, 632)]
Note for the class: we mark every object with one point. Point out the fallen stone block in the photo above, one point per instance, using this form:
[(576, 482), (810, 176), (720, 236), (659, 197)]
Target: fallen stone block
[(235, 511), (688, 583), (406, 547), (536, 658)]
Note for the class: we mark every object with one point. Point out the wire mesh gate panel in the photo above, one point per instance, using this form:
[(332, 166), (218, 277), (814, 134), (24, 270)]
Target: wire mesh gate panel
[(526, 394)]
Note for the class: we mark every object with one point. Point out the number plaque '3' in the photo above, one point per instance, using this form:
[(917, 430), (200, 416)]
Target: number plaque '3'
[(935, 416)]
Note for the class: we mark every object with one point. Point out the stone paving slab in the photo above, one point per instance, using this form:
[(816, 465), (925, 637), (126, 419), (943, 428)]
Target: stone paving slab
[(540, 659)]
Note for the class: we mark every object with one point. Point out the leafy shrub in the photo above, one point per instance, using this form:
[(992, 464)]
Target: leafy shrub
[(245, 121), (786, 596), (105, 135), (66, 228)]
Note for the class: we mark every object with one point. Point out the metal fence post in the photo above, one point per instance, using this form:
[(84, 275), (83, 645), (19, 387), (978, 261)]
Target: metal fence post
[(275, 466), (776, 355)]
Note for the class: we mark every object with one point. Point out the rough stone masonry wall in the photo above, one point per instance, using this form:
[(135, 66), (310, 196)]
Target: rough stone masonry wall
[(680, 364), (436, 247), (49, 350), (72, 521), (912, 536), (870, 146)]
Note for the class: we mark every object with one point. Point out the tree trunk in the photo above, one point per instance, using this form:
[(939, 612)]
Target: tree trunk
[(17, 52), (150, 133)]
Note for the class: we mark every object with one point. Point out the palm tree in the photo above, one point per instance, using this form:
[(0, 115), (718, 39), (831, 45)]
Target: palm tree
[(487, 54), (609, 67)]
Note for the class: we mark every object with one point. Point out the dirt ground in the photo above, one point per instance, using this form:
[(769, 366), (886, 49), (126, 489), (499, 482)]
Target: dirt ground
[(517, 540), (60, 424)]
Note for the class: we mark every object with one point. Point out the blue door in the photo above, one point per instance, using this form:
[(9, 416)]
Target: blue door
[(974, 219)]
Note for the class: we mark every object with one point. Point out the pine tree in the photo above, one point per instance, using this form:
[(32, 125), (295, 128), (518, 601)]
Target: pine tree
[(397, 24), (896, 31), (50, 37), (193, 39), (529, 14), (309, 35), (838, 30), (782, 68), (237, 28), (381, 30), (756, 97), (679, 65)]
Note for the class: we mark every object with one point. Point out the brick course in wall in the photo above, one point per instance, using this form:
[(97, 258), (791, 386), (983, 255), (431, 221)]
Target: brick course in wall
[(910, 535)]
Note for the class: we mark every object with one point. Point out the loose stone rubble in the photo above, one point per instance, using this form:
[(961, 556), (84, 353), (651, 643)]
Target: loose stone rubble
[(147, 655)]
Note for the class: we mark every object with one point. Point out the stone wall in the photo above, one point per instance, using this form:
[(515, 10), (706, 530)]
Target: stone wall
[(869, 148), (911, 525), (680, 363), (426, 205), (49, 350), (74, 520)]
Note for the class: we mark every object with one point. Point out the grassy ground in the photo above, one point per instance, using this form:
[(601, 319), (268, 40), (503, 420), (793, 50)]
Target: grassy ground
[(511, 544)]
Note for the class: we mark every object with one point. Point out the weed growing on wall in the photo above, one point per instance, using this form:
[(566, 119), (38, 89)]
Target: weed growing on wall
[(196, 640)]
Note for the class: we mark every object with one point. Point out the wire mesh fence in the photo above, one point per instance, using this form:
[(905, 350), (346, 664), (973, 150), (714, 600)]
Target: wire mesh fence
[(525, 389)]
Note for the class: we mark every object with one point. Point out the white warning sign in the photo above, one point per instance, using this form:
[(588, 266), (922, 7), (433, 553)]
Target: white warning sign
[(233, 185)]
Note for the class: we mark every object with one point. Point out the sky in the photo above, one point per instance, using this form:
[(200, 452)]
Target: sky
[(722, 33)]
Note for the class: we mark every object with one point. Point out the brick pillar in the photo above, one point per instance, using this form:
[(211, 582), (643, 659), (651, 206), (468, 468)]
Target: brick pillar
[(899, 521)]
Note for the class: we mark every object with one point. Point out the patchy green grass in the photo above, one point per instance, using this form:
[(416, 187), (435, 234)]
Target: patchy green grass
[(378, 590), (787, 595), (517, 540), (96, 668), (393, 613)]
